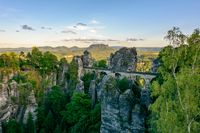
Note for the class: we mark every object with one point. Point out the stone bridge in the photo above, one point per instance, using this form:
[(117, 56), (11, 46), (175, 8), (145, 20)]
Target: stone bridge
[(145, 92), (130, 75)]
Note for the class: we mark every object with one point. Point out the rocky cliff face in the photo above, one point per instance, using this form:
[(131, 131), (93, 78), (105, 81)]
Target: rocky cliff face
[(121, 112), (123, 60), (9, 101), (61, 75), (31, 107), (8, 90)]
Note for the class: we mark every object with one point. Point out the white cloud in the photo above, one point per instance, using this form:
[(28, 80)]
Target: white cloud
[(94, 21), (80, 27), (93, 31)]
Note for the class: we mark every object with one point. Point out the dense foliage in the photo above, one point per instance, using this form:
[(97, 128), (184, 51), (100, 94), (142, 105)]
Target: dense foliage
[(101, 64), (87, 78), (176, 93), (60, 110)]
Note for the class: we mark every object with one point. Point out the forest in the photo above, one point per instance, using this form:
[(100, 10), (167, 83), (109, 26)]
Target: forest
[(55, 112), (176, 92)]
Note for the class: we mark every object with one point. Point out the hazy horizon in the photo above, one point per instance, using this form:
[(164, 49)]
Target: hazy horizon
[(50, 23), (31, 46)]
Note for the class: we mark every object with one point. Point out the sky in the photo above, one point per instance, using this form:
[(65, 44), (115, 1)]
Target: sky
[(27, 23)]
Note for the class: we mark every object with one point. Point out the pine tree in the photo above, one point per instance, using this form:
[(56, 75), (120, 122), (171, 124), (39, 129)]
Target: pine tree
[(30, 126), (49, 123)]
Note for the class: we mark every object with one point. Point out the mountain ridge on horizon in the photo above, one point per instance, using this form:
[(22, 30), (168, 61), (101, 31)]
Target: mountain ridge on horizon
[(72, 47), (98, 51)]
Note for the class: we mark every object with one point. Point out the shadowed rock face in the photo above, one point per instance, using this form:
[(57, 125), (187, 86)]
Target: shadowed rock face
[(120, 111), (123, 60)]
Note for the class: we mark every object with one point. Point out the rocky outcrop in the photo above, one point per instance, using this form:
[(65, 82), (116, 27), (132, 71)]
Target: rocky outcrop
[(155, 65), (31, 107), (8, 97), (9, 100), (93, 92), (87, 59), (82, 61), (62, 72), (79, 62), (52, 79), (120, 111), (124, 59), (80, 86)]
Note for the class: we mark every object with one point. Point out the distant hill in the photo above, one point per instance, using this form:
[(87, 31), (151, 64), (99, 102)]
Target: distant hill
[(98, 51)]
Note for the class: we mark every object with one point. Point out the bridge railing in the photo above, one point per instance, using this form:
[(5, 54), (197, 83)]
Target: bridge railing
[(104, 69)]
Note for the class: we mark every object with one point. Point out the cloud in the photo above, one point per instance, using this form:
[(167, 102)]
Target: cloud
[(2, 30), (93, 31), (134, 39), (26, 27), (46, 28), (68, 32), (94, 21), (141, 39), (17, 30), (86, 30), (81, 24)]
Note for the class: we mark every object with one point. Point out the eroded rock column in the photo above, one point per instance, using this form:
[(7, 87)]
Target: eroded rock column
[(120, 111)]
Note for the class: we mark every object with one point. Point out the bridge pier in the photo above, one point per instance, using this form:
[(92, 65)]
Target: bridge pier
[(145, 93)]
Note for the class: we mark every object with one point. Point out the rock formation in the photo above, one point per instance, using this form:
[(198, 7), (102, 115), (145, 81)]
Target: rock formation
[(80, 86), (61, 75), (8, 92), (82, 61), (87, 59), (79, 62), (120, 111), (93, 92), (9, 100), (155, 65), (31, 107), (123, 60)]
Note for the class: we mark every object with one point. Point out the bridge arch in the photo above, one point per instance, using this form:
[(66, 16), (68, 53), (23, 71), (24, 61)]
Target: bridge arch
[(103, 73), (141, 81), (117, 75), (93, 71)]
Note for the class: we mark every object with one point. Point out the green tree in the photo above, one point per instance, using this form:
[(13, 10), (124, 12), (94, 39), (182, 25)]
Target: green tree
[(87, 79), (79, 106), (9, 60), (49, 123), (123, 84), (89, 123), (58, 129), (55, 102), (176, 90), (35, 57), (73, 75), (12, 126), (48, 63), (30, 126), (101, 64)]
